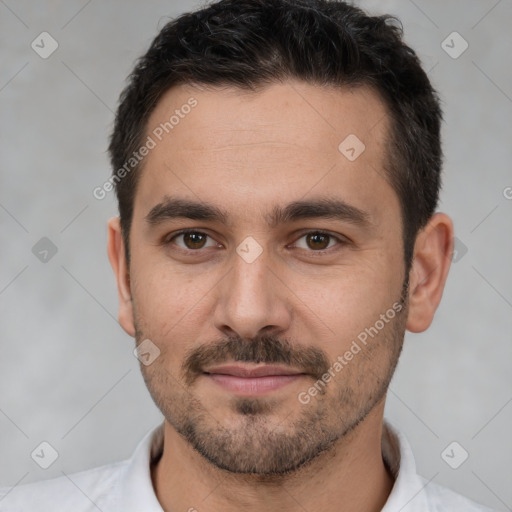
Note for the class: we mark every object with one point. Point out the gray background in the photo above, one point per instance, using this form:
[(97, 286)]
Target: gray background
[(67, 372)]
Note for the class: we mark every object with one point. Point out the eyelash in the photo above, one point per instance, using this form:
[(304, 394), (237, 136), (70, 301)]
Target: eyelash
[(341, 242)]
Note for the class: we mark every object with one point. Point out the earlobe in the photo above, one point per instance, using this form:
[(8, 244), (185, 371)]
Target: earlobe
[(429, 270), (117, 257)]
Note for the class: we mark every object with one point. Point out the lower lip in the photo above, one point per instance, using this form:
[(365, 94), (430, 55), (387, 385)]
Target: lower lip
[(252, 385)]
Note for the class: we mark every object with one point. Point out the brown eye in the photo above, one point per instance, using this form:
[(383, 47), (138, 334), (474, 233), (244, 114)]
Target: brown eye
[(318, 241), (191, 240), (194, 240)]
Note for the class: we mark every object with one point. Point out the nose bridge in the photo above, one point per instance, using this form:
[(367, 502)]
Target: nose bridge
[(250, 277), (249, 299)]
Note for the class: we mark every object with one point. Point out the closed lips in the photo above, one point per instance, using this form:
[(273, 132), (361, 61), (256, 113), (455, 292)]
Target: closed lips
[(260, 371)]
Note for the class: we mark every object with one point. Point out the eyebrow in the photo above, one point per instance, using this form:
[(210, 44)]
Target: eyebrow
[(328, 208)]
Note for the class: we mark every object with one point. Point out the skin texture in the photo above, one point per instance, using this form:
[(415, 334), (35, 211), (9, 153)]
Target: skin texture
[(201, 303)]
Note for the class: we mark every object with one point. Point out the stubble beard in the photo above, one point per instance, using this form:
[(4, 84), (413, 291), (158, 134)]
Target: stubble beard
[(263, 440)]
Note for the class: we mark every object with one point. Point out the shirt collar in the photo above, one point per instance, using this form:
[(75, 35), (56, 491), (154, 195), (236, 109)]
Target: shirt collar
[(408, 493), (136, 492), (135, 488)]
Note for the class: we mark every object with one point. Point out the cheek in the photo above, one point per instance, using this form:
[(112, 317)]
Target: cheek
[(351, 288), (162, 287), (164, 301), (348, 301)]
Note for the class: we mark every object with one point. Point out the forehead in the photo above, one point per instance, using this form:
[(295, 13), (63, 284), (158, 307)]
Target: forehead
[(286, 139), (312, 115)]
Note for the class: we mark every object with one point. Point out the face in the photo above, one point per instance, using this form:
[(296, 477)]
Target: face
[(292, 262)]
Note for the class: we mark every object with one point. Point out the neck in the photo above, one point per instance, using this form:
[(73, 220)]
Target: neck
[(349, 477)]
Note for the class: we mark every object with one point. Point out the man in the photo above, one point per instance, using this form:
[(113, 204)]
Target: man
[(277, 166)]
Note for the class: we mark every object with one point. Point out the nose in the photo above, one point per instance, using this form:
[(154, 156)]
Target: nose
[(252, 299)]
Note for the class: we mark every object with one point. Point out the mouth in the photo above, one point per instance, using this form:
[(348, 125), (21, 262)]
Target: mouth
[(252, 381)]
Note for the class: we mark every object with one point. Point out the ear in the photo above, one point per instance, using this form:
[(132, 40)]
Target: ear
[(116, 255), (431, 262)]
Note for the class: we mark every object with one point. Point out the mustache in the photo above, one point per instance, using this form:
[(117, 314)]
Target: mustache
[(263, 349)]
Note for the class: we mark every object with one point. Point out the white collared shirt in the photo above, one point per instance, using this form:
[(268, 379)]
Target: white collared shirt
[(126, 486)]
